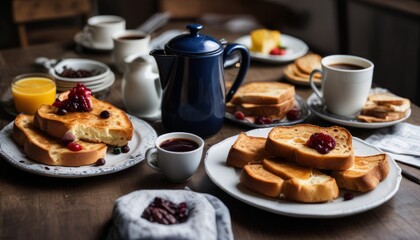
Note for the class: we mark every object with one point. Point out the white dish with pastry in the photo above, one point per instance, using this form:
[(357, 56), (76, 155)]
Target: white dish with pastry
[(261, 43), (289, 188)]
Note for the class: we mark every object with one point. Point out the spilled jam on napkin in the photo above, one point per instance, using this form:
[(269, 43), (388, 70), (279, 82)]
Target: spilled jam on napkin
[(166, 212)]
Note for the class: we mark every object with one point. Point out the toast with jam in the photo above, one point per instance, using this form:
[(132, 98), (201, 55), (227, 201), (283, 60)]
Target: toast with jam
[(325, 148), (97, 121), (45, 149)]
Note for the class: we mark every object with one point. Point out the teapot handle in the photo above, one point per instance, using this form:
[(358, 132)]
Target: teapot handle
[(245, 59)]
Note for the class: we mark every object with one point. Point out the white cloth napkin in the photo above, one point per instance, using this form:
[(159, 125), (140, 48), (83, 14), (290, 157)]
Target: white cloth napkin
[(401, 141), (209, 218)]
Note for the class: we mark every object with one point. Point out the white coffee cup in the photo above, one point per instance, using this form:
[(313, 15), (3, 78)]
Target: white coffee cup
[(345, 83), (129, 42), (99, 29), (176, 166)]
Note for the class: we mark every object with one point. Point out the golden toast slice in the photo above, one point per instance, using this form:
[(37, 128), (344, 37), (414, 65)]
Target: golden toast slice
[(277, 111), (308, 63), (45, 149), (116, 130), (303, 184), (289, 142), (365, 174), (263, 93), (245, 150), (256, 178), (300, 184)]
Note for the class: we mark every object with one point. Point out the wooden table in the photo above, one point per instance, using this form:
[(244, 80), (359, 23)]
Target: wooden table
[(37, 207)]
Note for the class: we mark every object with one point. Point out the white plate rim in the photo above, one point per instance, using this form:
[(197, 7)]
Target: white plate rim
[(227, 178), (312, 99), (144, 137), (299, 46)]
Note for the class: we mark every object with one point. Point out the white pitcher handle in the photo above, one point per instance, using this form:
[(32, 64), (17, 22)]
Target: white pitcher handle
[(312, 83)]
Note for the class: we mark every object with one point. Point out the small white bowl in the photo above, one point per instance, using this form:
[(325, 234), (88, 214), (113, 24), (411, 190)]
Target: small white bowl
[(78, 64)]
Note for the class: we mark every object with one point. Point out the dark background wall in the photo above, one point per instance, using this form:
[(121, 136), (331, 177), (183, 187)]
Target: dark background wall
[(386, 32)]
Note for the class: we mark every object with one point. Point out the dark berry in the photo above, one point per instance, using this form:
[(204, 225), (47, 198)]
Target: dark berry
[(166, 212), (348, 196), (293, 114), (105, 114), (61, 111), (263, 120), (322, 142), (74, 146), (239, 115), (117, 150), (100, 162), (57, 103), (125, 149)]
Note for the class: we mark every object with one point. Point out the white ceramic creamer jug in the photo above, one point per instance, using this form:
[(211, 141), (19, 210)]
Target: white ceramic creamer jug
[(141, 89)]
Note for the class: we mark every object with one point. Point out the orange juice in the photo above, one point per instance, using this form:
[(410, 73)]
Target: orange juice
[(30, 91)]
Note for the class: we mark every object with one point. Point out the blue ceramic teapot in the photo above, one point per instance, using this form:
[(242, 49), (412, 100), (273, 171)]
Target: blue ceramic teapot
[(192, 77)]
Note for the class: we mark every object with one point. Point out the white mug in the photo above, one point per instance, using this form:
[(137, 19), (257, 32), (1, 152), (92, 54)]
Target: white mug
[(176, 166), (345, 83), (126, 43), (99, 29)]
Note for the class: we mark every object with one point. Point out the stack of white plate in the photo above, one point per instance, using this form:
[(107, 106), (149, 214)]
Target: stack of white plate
[(101, 80)]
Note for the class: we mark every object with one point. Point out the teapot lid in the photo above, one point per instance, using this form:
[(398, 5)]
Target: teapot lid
[(193, 43)]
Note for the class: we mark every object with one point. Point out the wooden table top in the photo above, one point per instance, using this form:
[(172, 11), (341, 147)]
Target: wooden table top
[(38, 207)]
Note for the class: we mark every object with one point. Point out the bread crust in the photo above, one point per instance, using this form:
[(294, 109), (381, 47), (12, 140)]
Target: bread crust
[(47, 150), (289, 142), (256, 178), (245, 150), (298, 190), (277, 111), (263, 93), (360, 177), (89, 126)]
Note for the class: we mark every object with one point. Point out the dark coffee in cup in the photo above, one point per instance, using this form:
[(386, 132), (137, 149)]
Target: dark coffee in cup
[(132, 37), (179, 145), (346, 66)]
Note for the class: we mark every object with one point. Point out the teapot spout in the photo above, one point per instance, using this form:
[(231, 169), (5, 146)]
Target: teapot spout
[(165, 63)]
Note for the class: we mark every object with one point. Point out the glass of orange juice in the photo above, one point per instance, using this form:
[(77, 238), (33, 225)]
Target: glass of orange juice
[(32, 90)]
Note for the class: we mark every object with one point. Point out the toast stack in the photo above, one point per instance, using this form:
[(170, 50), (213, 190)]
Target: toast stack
[(300, 70), (45, 136), (280, 174), (263, 99), (384, 107)]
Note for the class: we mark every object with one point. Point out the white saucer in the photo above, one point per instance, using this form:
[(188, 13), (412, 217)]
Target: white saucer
[(82, 40), (315, 105)]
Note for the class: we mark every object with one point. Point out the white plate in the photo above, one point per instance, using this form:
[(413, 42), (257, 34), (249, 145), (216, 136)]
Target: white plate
[(81, 40), (105, 83), (299, 104), (227, 178), (315, 105), (143, 138), (295, 48)]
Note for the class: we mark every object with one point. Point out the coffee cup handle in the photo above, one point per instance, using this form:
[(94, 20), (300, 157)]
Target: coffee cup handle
[(151, 161), (313, 86)]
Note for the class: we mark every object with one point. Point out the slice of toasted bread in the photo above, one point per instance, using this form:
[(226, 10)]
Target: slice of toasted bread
[(116, 130), (303, 184), (387, 98), (277, 111), (289, 142), (373, 119), (263, 93), (256, 178), (365, 174), (245, 150), (308, 63), (47, 150), (264, 40)]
